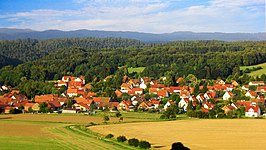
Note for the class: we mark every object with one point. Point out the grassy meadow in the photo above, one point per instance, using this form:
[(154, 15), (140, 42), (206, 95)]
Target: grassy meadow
[(138, 69), (257, 72)]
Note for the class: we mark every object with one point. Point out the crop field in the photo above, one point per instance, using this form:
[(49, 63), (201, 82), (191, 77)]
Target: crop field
[(257, 72), (195, 134), (138, 69), (64, 118), (53, 131)]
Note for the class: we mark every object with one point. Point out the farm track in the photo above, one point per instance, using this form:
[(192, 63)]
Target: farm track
[(75, 137)]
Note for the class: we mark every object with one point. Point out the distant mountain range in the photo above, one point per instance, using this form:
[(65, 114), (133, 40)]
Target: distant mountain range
[(12, 34)]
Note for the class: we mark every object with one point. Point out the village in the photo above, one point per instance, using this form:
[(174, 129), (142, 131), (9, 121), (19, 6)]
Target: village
[(143, 94)]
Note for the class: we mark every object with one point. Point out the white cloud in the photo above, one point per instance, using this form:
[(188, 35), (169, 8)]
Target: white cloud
[(147, 16)]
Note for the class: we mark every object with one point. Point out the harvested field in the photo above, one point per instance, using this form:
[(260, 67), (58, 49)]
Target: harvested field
[(195, 134), (21, 129), (76, 119)]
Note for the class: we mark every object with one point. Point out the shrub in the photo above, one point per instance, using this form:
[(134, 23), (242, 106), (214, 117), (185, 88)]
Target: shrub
[(133, 142), (109, 136), (163, 116), (144, 144), (106, 118), (121, 139), (118, 114), (178, 146)]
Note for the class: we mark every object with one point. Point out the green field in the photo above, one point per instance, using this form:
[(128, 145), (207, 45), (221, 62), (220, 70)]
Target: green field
[(26, 131), (257, 72), (138, 69)]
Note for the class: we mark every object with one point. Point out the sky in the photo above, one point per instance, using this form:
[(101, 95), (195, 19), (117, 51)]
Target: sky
[(150, 16)]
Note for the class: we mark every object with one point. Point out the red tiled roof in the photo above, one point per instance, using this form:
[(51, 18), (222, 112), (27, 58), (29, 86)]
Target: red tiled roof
[(154, 101), (54, 104), (72, 90), (255, 108)]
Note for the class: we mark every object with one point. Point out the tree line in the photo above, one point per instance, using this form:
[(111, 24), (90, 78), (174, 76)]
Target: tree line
[(99, 58)]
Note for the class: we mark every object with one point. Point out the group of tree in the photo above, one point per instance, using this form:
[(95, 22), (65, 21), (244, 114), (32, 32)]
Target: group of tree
[(100, 58)]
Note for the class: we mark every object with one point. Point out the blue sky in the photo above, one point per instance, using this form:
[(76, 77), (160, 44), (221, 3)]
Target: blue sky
[(153, 16)]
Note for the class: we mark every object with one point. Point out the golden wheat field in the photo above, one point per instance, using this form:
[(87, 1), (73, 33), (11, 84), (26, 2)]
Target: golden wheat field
[(196, 134)]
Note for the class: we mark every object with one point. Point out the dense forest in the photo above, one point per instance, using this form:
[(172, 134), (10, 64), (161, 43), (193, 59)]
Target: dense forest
[(101, 57)]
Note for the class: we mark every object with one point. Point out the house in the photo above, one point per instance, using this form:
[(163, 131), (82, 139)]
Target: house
[(153, 91), (113, 106), (15, 92), (153, 82), (220, 81), (66, 78), (155, 103), (183, 103), (118, 93), (91, 94), (228, 108), (54, 105), (61, 83), (256, 83), (163, 93), (104, 102), (193, 98), (168, 104), (251, 94), (143, 85), (82, 107), (125, 87), (45, 98), (245, 87), (8, 109), (234, 83), (208, 105), (28, 105), (124, 105), (125, 79), (253, 111), (175, 89), (201, 98), (137, 91), (227, 95), (184, 94), (145, 105), (134, 82), (180, 79), (69, 111), (261, 89), (71, 92)]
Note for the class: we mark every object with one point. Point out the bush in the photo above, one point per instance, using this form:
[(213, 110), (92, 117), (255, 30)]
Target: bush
[(178, 146), (109, 136), (163, 116), (106, 118), (118, 114), (121, 139), (144, 144), (133, 142)]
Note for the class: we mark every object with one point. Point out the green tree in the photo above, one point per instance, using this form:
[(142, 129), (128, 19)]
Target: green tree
[(69, 104), (196, 90), (44, 108), (106, 118), (170, 112)]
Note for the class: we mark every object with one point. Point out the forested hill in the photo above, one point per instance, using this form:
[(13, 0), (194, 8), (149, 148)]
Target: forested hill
[(7, 61), (204, 59), (13, 34), (29, 50)]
